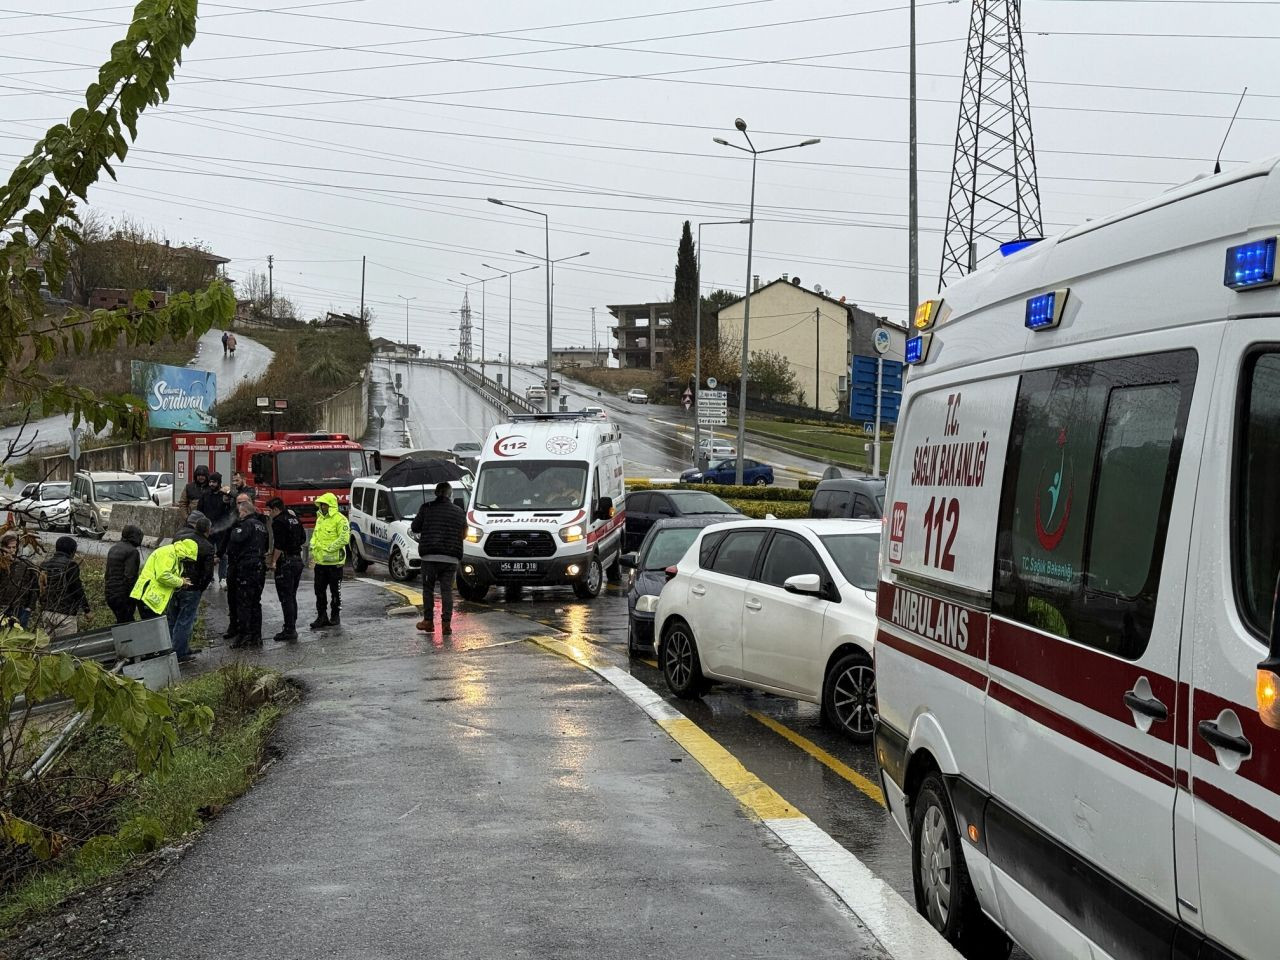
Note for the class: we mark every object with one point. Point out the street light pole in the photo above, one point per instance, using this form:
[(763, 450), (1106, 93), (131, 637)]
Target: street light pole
[(551, 286), (697, 336), (746, 303), (483, 281), (509, 274), (547, 263), (406, 322), (913, 214)]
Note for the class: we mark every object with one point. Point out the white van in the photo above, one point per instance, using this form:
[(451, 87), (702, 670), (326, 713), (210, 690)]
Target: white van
[(1076, 659), (380, 516), (547, 507)]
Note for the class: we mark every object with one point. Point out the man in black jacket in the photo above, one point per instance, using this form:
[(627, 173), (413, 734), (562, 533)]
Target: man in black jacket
[(185, 605), (123, 562), (219, 506), (288, 538), (247, 547), (440, 525), (194, 490), (64, 598)]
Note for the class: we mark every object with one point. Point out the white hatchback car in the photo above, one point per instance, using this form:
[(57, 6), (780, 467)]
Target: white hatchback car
[(784, 606), (636, 395)]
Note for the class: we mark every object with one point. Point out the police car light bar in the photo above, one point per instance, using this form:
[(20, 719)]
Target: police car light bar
[(1251, 265), (1045, 311)]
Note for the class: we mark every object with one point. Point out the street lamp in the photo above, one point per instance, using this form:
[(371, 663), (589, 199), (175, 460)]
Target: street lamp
[(483, 281), (547, 262), (551, 287), (746, 303), (406, 321), (509, 274), (697, 336)]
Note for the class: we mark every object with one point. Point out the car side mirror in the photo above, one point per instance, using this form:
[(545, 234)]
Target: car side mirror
[(1268, 688), (806, 584), (630, 561), (604, 508)]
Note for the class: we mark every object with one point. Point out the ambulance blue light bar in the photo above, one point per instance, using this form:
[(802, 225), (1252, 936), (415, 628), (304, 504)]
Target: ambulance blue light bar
[(1010, 247), (917, 349), (1045, 311), (1251, 265)]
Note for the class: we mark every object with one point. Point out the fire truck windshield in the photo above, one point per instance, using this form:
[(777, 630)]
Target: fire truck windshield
[(318, 469)]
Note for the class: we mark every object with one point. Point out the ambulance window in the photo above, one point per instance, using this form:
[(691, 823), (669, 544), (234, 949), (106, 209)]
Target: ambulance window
[(1257, 521), (1088, 485)]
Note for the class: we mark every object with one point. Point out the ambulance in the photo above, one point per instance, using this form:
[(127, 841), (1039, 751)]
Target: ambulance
[(1076, 654), (546, 509)]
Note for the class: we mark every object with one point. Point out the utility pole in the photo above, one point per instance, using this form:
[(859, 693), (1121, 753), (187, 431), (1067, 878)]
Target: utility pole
[(362, 265), (271, 287), (913, 207), (595, 349)]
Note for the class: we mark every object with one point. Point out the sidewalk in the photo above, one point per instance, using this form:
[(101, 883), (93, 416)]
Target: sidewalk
[(480, 799)]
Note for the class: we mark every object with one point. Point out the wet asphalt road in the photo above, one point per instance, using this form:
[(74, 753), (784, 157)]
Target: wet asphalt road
[(443, 410)]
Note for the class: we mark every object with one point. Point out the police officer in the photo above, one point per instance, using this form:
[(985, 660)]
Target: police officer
[(286, 560), (248, 544)]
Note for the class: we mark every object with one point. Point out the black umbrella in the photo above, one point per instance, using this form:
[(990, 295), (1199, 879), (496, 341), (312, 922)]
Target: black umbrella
[(421, 473)]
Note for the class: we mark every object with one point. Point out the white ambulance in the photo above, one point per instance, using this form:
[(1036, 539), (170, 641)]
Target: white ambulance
[(547, 506), (1076, 658)]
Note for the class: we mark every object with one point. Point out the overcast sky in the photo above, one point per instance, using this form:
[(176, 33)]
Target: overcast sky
[(323, 132)]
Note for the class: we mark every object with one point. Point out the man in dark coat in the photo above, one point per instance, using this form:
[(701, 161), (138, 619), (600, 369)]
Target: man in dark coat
[(219, 506), (288, 538), (123, 562), (185, 605), (247, 546), (440, 525), (64, 598), (194, 490), (19, 582)]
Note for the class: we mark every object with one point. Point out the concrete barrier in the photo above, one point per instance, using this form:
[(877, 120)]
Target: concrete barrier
[(156, 522), (348, 410)]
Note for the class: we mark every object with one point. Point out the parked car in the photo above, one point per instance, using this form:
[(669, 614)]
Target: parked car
[(636, 395), (754, 473), (94, 493), (382, 509), (854, 498), (160, 483), (713, 449), (662, 548), (467, 453), (784, 606), (48, 504), (644, 508)]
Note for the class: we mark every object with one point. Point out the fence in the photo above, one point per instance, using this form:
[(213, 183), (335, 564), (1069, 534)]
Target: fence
[(348, 410), (129, 457)]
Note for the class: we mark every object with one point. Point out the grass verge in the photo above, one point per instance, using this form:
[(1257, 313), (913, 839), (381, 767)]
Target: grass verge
[(208, 771), (842, 446)]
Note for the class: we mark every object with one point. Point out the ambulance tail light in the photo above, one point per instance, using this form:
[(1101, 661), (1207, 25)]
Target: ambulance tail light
[(1251, 265)]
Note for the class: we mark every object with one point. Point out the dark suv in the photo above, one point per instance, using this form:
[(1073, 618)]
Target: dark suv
[(850, 498)]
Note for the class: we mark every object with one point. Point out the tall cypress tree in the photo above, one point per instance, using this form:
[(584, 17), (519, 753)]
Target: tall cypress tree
[(684, 305)]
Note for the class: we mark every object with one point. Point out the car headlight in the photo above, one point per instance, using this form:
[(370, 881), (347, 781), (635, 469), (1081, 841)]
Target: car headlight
[(572, 533), (474, 534)]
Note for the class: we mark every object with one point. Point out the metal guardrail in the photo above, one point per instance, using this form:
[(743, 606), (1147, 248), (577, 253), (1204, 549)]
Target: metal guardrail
[(504, 399), (96, 645)]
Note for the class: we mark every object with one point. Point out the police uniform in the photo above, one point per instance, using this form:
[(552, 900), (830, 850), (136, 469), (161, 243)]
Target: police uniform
[(247, 544), (289, 538)]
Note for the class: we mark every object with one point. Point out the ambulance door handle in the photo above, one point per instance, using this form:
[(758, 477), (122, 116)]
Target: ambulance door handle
[(1221, 740), (1147, 706)]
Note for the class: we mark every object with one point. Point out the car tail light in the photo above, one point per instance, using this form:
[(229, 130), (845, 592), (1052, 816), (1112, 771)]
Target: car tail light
[(671, 572)]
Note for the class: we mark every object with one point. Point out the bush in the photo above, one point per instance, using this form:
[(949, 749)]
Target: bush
[(759, 509), (808, 484), (732, 491)]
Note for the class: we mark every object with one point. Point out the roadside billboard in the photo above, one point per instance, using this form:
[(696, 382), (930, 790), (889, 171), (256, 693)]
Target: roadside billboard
[(177, 398)]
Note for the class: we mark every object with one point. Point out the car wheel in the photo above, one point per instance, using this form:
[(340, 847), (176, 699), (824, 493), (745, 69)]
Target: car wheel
[(944, 893), (398, 567), (359, 562), (681, 667), (472, 592), (43, 522), (760, 482), (589, 587), (849, 697)]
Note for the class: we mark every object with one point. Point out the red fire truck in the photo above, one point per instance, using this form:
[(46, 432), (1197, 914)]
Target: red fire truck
[(298, 467)]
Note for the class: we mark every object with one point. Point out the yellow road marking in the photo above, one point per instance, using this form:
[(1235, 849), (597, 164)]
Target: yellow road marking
[(853, 776), (651, 663), (413, 596), (749, 790)]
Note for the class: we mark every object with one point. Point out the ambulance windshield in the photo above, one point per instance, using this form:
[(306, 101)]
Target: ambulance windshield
[(531, 485)]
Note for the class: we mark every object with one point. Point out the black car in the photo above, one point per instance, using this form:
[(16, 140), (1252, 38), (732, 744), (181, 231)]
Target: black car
[(663, 547), (644, 508), (852, 498)]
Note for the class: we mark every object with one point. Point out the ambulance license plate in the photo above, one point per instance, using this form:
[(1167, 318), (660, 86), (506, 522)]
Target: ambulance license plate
[(518, 566)]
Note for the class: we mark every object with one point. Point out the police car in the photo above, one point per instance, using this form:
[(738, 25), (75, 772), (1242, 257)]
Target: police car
[(1076, 658)]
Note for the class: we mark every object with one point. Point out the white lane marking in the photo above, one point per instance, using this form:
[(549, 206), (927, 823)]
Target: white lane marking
[(900, 929), (894, 922)]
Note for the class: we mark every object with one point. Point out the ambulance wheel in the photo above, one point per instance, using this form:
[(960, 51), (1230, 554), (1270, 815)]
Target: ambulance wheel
[(472, 592), (589, 587), (359, 562), (944, 893), (398, 567)]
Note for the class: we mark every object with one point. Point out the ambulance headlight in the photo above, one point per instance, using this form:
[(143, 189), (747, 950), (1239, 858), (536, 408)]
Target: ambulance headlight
[(572, 533), (474, 534)]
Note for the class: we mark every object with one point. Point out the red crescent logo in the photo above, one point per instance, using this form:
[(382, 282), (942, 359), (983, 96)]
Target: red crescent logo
[(1049, 539)]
